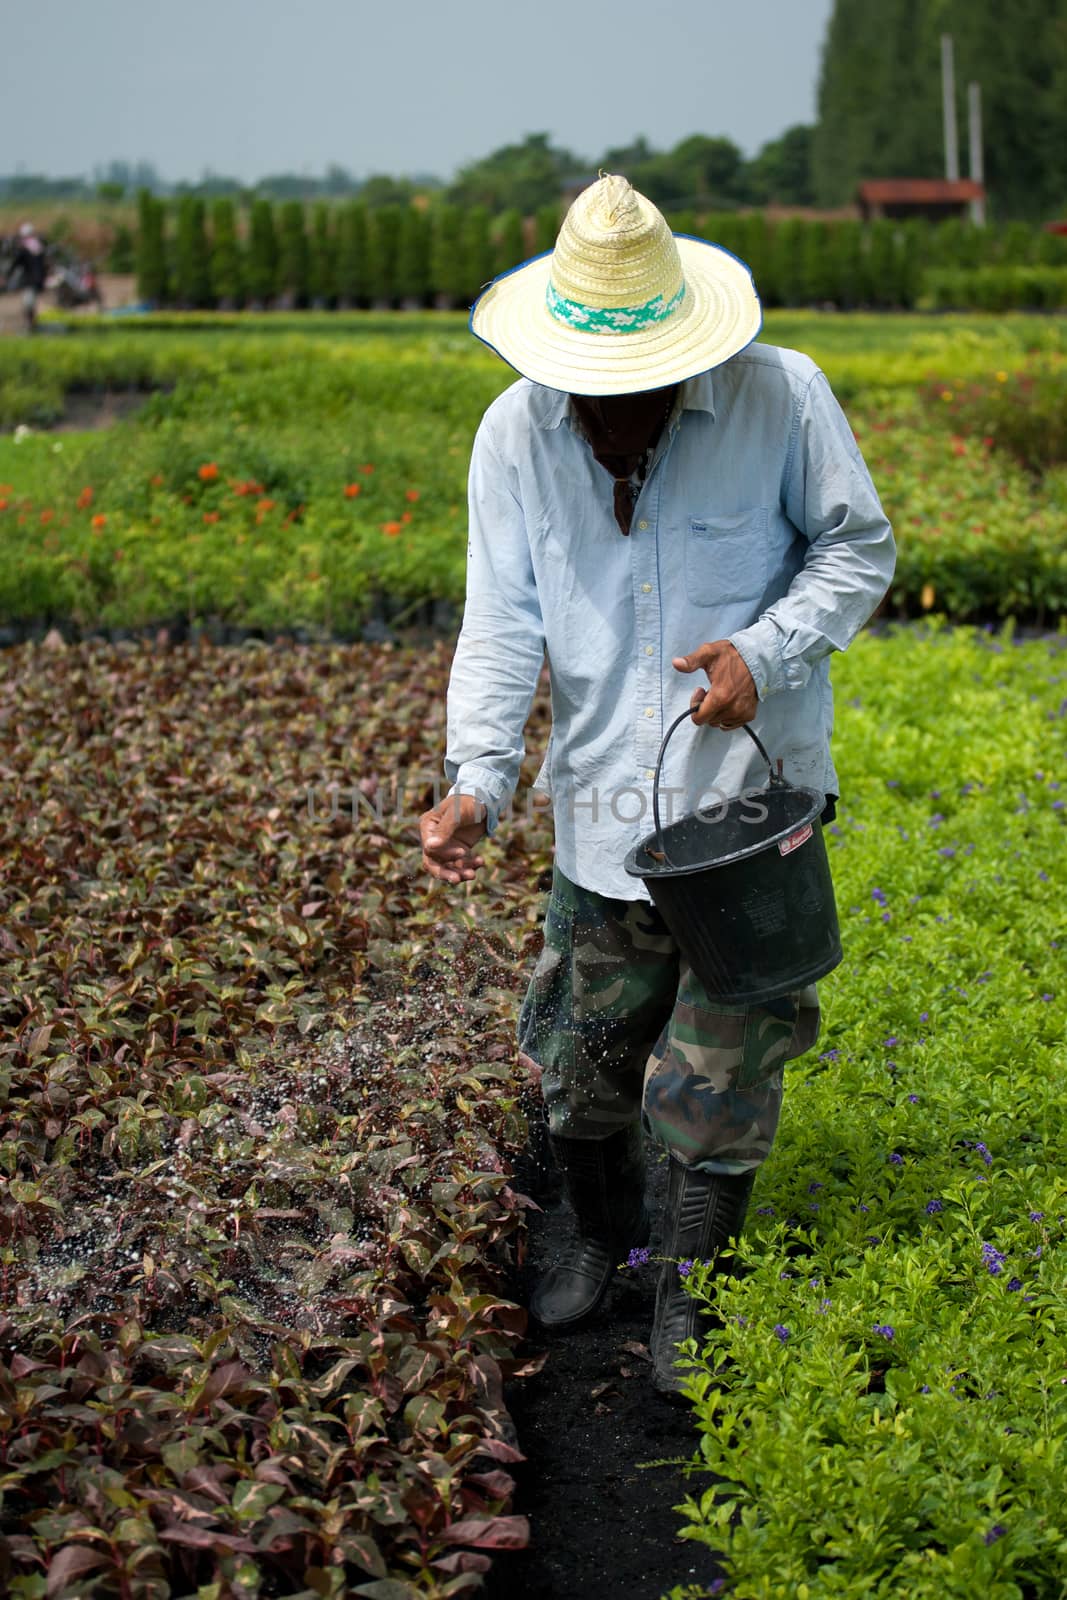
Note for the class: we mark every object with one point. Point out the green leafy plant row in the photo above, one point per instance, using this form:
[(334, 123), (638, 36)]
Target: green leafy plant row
[(882, 1396), (283, 479)]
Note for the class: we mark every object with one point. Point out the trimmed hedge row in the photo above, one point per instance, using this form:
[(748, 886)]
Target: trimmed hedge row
[(350, 255)]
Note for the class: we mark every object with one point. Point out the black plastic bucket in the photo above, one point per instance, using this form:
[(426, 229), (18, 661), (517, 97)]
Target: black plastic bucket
[(745, 887)]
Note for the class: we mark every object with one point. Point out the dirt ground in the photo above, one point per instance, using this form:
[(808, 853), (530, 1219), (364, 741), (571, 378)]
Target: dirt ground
[(117, 290)]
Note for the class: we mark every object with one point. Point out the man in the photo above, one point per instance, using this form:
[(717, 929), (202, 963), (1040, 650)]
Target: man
[(29, 269), (656, 497)]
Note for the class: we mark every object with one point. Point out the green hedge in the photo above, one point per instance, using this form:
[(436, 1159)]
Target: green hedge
[(352, 254), (997, 288)]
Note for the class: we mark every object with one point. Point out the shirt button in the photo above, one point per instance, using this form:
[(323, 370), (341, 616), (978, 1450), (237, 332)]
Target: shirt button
[(642, 525), (646, 588), (650, 772), (650, 711), (648, 650)]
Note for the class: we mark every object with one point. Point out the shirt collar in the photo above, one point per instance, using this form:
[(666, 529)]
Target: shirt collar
[(697, 394)]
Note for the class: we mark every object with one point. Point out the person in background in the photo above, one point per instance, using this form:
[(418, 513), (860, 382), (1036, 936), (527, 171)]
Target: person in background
[(657, 496), (29, 271)]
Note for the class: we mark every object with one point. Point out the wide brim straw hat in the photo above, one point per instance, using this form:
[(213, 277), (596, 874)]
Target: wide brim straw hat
[(621, 304)]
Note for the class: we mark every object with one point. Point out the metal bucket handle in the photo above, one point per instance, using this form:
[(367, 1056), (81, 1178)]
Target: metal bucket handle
[(660, 854)]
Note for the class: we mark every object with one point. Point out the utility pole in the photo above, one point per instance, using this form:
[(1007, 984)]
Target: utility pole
[(948, 106), (974, 131)]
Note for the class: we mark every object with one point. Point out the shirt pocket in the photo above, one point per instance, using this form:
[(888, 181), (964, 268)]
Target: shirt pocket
[(727, 557)]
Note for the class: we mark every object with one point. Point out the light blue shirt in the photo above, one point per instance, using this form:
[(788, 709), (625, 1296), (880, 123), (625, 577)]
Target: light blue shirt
[(757, 522)]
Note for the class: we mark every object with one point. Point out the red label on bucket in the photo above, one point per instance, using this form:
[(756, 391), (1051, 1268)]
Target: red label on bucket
[(795, 840)]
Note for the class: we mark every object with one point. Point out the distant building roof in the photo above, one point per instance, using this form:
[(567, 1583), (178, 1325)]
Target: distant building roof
[(918, 191)]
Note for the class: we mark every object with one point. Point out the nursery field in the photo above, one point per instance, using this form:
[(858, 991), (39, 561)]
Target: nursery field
[(308, 472), (261, 1113)]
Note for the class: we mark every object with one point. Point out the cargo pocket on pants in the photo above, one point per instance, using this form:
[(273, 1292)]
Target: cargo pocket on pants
[(769, 1031)]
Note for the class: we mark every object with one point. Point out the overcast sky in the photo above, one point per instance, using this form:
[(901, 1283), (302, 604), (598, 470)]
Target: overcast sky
[(248, 87)]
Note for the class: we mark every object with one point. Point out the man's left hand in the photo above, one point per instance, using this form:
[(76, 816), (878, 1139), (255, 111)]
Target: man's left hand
[(732, 698)]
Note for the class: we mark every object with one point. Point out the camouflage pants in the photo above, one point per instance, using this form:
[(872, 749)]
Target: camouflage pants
[(621, 1027)]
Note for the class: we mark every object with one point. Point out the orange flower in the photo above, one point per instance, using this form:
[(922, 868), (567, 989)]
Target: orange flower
[(406, 517), (313, 577), (6, 488), (85, 499), (46, 517), (3, 505), (99, 521), (239, 538), (211, 516), (411, 494), (391, 529), (352, 489), (156, 480), (118, 555), (368, 468), (208, 472), (265, 505)]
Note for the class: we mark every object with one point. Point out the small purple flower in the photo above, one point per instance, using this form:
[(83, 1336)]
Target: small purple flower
[(638, 1257), (1043, 876), (829, 1055), (993, 1258), (873, 1238), (946, 850), (887, 916), (924, 1016), (897, 1159), (717, 1586), (1014, 1284), (886, 1331), (1048, 997), (891, 1041), (781, 1332), (914, 1098), (934, 1206), (812, 1187), (742, 1322), (879, 895), (1036, 1254), (862, 1207), (765, 1211), (997, 1531), (814, 1282), (924, 1389), (1037, 1216), (983, 1151), (824, 1306), (685, 1268)]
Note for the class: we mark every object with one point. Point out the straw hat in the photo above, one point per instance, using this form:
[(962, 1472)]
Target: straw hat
[(621, 304)]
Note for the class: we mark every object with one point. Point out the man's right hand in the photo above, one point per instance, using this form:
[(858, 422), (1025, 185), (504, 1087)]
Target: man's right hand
[(449, 833)]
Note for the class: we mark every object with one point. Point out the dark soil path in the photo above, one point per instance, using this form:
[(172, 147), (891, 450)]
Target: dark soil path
[(601, 1525)]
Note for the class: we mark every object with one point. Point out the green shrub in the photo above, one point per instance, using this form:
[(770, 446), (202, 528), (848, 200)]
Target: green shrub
[(192, 264), (413, 258), (477, 252), (262, 270), (447, 274), (352, 254), (151, 258), (383, 242), (226, 266), (322, 257), (509, 242), (293, 254)]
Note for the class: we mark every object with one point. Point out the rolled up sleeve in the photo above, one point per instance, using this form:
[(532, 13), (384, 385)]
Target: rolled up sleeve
[(501, 644), (830, 498)]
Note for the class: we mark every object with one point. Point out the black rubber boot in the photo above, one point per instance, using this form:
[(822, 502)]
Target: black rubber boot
[(605, 1182), (705, 1212)]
